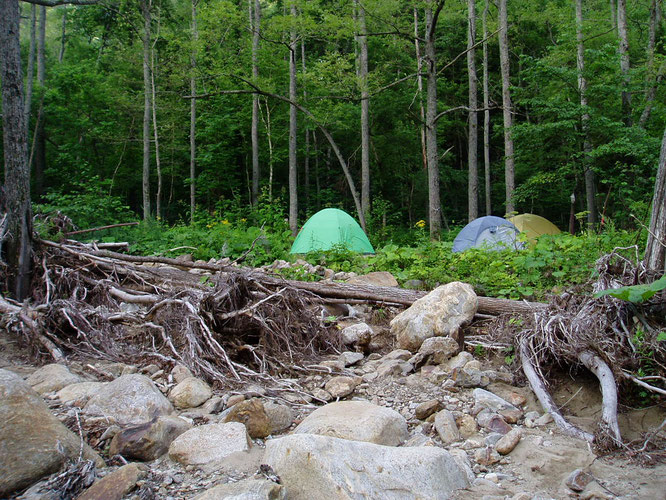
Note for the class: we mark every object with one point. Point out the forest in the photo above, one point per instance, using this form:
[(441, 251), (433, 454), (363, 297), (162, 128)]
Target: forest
[(179, 110)]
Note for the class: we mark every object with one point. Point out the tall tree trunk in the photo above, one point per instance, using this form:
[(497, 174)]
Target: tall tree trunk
[(145, 10), (655, 251), (419, 84), (15, 198), (158, 165), (434, 206), (255, 23), (193, 112), (306, 160), (63, 35), (624, 60), (362, 41), (472, 139), (40, 139), (486, 112), (31, 68), (655, 11), (613, 14), (293, 130), (509, 168), (590, 188), (269, 137)]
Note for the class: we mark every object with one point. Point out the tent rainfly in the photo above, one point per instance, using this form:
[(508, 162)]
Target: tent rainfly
[(533, 225), (329, 228), (489, 232)]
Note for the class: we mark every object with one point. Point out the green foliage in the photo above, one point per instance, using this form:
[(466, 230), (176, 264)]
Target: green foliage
[(635, 293), (88, 204)]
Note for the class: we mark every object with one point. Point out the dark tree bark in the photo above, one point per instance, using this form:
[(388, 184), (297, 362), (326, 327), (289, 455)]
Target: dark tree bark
[(306, 159), (434, 205), (419, 84), (473, 132), (362, 40), (255, 24), (17, 235), (293, 131), (655, 251), (624, 60), (509, 168), (29, 80), (193, 112), (40, 139), (63, 35), (158, 164), (145, 11), (590, 187)]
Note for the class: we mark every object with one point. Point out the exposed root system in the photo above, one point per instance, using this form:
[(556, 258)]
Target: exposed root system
[(612, 338), (224, 326)]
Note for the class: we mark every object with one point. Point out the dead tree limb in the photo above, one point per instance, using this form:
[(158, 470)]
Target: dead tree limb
[(101, 228), (603, 372)]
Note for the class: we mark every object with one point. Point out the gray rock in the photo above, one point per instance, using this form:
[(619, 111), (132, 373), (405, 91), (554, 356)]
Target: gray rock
[(493, 422), (435, 350), (116, 485), (150, 440), (33, 442), (349, 358), (280, 416), (247, 489), (339, 387), (358, 334), (441, 313), (130, 399), (424, 410), (393, 368), (50, 378), (508, 442), (468, 376), (375, 278), (357, 421), (578, 480), (338, 468), (190, 393), (78, 394), (209, 443), (445, 425), (492, 401), (458, 361), (180, 372)]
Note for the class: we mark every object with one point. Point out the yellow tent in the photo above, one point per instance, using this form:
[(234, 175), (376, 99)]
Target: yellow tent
[(533, 225)]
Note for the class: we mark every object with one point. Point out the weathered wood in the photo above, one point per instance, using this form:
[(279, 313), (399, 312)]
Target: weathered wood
[(100, 228)]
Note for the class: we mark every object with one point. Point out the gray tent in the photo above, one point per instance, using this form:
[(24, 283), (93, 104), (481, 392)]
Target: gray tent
[(489, 232)]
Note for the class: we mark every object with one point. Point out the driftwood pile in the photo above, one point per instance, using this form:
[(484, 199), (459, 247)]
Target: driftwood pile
[(229, 324)]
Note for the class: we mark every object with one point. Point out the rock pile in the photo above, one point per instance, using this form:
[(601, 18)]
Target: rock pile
[(419, 421)]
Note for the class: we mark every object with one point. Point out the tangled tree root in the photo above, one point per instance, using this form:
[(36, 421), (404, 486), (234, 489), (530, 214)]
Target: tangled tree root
[(224, 326), (580, 330)]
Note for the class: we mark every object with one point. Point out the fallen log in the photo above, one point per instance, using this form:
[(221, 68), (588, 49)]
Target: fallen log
[(379, 294), (330, 290)]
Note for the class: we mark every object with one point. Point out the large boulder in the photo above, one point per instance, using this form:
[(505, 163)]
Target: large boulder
[(33, 442), (130, 399), (441, 313), (209, 443), (339, 468), (246, 489), (51, 378), (150, 440), (357, 421), (190, 393)]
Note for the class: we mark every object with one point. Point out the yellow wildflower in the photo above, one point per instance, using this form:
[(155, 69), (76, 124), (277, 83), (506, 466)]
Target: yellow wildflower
[(225, 222), (420, 224)]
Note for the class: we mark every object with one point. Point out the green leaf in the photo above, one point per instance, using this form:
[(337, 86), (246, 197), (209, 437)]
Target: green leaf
[(635, 293)]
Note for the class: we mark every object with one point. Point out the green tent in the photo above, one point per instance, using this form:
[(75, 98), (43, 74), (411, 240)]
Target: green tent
[(329, 228)]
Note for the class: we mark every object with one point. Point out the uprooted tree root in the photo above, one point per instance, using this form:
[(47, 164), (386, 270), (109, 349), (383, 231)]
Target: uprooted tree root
[(224, 326), (598, 334)]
